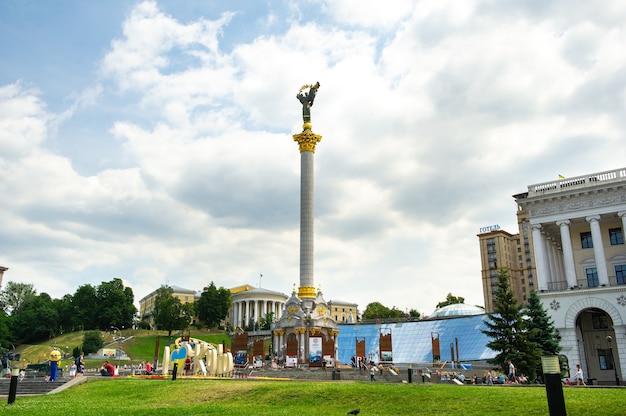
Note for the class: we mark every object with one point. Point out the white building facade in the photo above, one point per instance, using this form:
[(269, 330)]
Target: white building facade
[(252, 304), (578, 241)]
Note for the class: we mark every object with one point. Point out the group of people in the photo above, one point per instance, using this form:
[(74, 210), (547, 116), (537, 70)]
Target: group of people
[(108, 370)]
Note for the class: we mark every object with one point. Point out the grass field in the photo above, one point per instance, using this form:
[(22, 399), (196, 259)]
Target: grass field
[(140, 347), (296, 398)]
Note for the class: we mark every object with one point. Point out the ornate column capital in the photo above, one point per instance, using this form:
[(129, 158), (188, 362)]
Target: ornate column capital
[(592, 218), (563, 222), (621, 214), (535, 226), (307, 139)]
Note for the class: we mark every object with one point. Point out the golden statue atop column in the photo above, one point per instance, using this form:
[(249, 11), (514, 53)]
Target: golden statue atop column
[(307, 139)]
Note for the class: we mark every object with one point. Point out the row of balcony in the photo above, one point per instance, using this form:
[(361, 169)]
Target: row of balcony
[(584, 284)]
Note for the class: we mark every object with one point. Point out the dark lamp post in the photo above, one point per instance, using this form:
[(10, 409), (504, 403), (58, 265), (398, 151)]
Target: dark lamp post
[(609, 340), (15, 372)]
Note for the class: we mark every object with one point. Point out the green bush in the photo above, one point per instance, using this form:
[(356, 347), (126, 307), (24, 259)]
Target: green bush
[(92, 342)]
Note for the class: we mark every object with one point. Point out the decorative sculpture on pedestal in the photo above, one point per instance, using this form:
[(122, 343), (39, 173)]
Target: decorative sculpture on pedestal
[(307, 100)]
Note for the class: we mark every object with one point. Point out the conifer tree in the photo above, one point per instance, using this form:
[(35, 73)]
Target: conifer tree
[(509, 332), (541, 327)]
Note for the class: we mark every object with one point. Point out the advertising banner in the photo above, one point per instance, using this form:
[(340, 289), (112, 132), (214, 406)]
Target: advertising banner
[(315, 350)]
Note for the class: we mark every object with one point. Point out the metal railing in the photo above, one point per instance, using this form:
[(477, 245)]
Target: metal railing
[(583, 181)]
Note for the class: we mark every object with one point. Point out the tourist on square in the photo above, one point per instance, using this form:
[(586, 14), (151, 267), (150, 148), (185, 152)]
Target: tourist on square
[(373, 370), (148, 368), (107, 370), (187, 366), (512, 379), (80, 364), (580, 379)]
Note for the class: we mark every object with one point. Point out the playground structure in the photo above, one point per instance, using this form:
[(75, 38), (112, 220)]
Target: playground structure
[(206, 359)]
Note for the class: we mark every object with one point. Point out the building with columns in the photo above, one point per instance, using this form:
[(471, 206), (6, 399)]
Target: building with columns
[(577, 236), (251, 304)]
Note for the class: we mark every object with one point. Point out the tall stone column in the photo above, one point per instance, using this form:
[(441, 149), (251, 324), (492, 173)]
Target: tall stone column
[(540, 257), (307, 140), (598, 249), (568, 253)]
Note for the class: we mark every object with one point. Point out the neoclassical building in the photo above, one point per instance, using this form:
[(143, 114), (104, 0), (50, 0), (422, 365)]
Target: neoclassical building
[(252, 304), (577, 228), (146, 304)]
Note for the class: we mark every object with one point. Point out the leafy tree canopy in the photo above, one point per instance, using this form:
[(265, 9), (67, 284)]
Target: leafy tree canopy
[(377, 310), (213, 305), (92, 342), (169, 313), (37, 319), (14, 295), (451, 300)]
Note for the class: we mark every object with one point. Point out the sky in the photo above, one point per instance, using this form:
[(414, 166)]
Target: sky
[(151, 141)]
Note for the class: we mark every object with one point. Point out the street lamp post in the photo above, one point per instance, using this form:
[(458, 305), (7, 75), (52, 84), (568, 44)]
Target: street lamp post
[(609, 339), (119, 340)]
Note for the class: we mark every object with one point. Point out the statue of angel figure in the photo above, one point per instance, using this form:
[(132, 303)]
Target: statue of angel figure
[(307, 98)]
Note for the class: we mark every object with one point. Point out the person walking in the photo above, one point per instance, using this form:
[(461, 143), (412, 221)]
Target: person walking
[(512, 379), (372, 372), (580, 379), (80, 364)]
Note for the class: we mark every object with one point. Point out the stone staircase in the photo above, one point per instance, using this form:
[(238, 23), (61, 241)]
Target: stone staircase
[(31, 386), (336, 374)]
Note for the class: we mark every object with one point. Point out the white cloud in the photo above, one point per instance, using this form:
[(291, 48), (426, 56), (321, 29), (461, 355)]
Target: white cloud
[(432, 115)]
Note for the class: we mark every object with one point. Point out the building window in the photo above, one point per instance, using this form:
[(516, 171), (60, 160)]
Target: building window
[(606, 360), (616, 236), (620, 273), (585, 240), (600, 321), (592, 277)]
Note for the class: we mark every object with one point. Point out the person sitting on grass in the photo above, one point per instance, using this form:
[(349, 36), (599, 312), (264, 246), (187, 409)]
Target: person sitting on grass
[(107, 370)]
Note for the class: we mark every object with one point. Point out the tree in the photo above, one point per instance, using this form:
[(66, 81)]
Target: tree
[(14, 295), (92, 342), (115, 305), (213, 305), (508, 330), (36, 319), (169, 314), (541, 327), (267, 321), (84, 312), (63, 307), (451, 300), (5, 331), (377, 310), (413, 313)]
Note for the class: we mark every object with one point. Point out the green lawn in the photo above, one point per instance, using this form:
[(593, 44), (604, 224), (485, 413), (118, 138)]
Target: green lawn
[(140, 347), (297, 398)]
